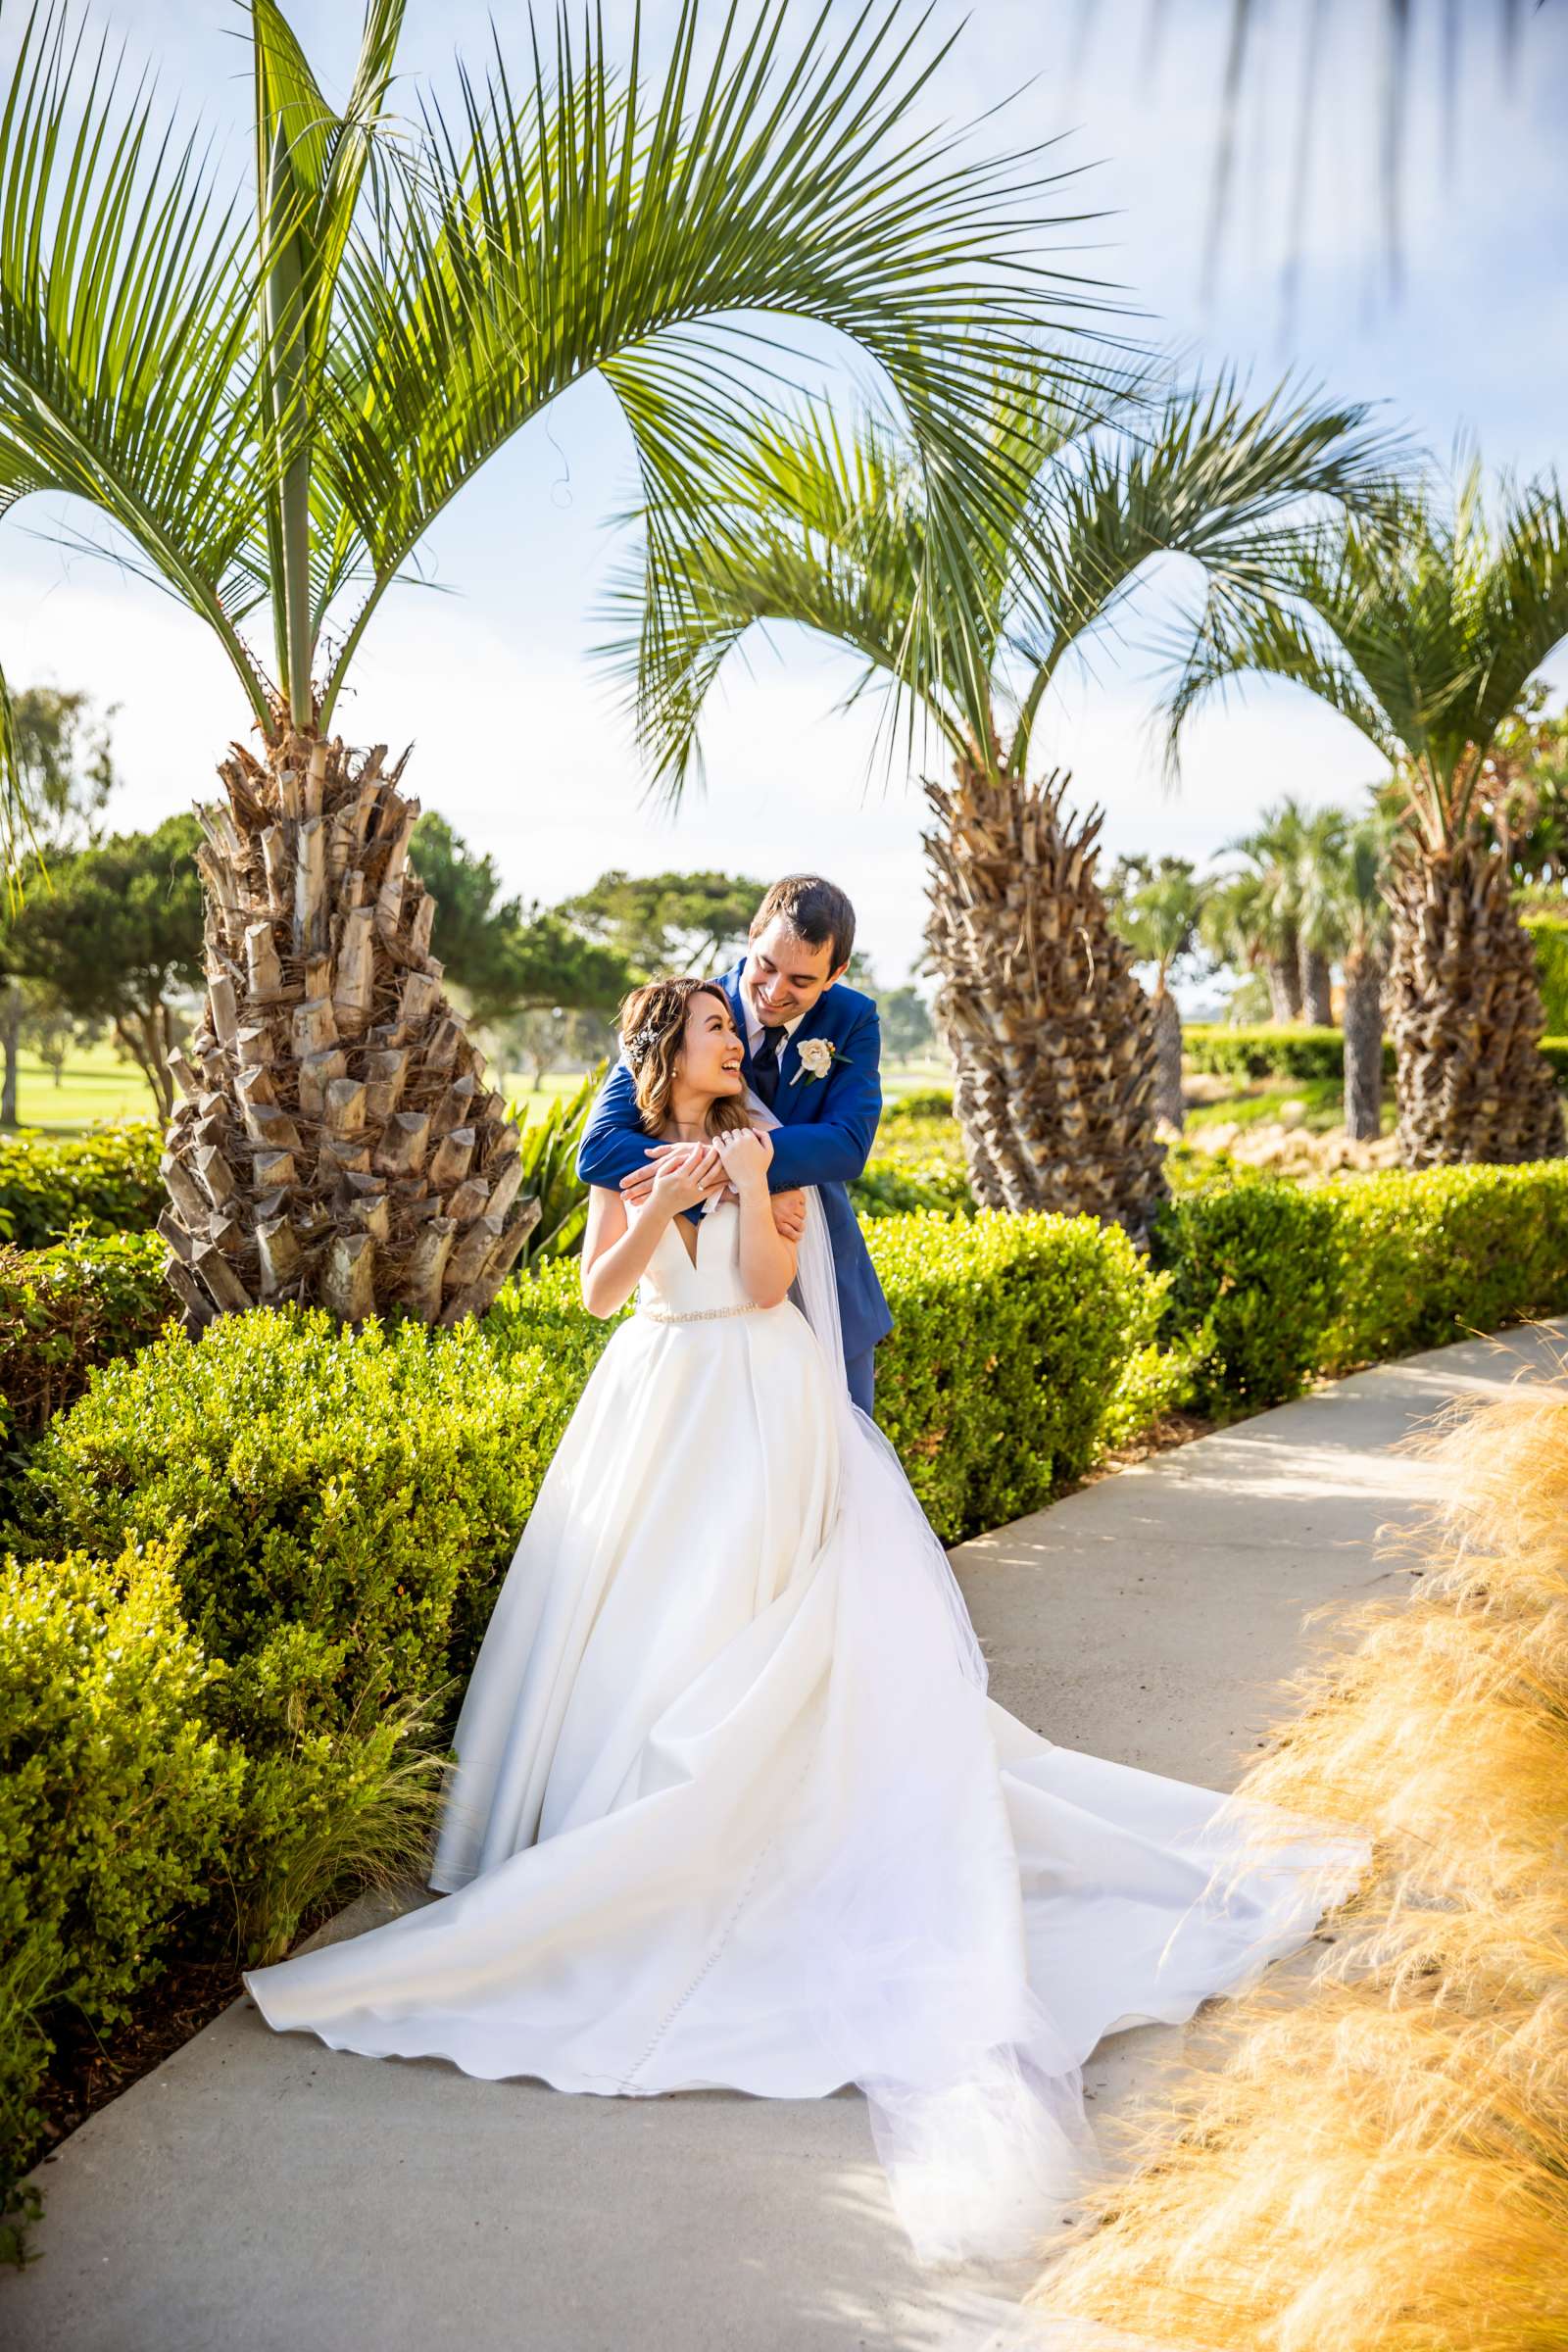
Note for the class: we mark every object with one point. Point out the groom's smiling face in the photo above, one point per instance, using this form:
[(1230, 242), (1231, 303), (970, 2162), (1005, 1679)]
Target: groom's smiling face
[(785, 976)]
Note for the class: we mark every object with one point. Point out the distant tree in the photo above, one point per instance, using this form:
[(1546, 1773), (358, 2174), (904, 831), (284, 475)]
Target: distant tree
[(48, 1029), (1360, 914), (556, 1037), (668, 923), (508, 959), (116, 936), (1523, 794), (1155, 907), (907, 1028), (65, 772)]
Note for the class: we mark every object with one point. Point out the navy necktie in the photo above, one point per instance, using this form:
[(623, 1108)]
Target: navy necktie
[(765, 1064)]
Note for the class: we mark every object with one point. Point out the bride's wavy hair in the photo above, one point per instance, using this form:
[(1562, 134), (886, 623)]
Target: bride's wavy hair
[(651, 1023)]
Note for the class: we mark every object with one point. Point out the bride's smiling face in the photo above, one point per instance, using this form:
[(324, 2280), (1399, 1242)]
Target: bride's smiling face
[(710, 1062)]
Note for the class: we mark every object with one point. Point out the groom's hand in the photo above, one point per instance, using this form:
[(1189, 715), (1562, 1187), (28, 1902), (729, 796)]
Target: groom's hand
[(789, 1215)]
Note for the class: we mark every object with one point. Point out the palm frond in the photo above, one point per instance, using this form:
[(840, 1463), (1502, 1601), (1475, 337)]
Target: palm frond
[(1422, 619), (588, 221), (127, 374), (831, 540), (1232, 482), (1270, 637)]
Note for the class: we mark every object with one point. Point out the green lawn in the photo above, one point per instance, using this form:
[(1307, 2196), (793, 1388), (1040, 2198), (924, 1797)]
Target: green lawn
[(97, 1086), (1261, 1100)]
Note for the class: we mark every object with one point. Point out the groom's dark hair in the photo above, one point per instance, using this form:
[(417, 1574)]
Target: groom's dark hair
[(814, 910)]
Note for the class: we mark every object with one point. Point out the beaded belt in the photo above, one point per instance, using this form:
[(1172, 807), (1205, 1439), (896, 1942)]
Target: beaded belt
[(698, 1314)]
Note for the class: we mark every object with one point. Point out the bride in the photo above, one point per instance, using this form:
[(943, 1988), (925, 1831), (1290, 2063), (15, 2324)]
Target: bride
[(732, 1807)]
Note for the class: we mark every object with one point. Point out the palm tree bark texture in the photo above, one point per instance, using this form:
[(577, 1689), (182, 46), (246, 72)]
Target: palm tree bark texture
[(1053, 1040), (335, 1138), (1364, 979), (1464, 1009)]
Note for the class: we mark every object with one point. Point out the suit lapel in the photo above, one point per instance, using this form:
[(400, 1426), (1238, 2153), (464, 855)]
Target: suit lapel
[(789, 1061)]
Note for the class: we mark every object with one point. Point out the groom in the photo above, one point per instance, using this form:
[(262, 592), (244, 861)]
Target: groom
[(812, 1050)]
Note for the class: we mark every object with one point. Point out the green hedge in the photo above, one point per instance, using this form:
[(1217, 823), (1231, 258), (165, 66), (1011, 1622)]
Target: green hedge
[(116, 1804), (1268, 1052), (1548, 936), (931, 1102), (1437, 1254), (345, 1500), (1255, 1274), (994, 1385), (64, 1310), (107, 1181), (1271, 1282), (1302, 1054)]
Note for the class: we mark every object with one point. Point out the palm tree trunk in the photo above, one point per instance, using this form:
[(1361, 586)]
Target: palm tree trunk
[(10, 1047), (336, 1141), (1168, 1103), (1284, 988), (1317, 996), (1363, 1045), (1051, 1038), (1466, 1012)]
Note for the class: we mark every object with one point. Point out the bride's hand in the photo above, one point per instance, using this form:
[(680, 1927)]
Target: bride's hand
[(682, 1178), (746, 1154)]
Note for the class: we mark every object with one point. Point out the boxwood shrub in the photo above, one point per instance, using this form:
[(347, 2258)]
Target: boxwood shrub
[(1433, 1254), (65, 1310), (343, 1502), (116, 1800), (106, 1181), (1268, 1052), (1255, 1278), (1012, 1338)]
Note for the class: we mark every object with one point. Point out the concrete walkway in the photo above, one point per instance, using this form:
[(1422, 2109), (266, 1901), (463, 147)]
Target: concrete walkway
[(262, 2193)]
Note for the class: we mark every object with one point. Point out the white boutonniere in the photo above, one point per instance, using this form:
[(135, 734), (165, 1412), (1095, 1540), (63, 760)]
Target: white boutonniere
[(817, 1056)]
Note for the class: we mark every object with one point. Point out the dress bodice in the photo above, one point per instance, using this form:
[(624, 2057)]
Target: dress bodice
[(673, 1284)]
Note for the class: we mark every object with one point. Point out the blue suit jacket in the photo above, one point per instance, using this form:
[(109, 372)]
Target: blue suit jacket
[(825, 1136)]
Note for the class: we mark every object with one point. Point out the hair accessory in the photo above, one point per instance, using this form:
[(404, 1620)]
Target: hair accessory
[(638, 1045)]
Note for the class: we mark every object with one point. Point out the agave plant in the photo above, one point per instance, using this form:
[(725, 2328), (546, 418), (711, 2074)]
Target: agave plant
[(550, 1167), (271, 410), (1423, 623), (1051, 1038)]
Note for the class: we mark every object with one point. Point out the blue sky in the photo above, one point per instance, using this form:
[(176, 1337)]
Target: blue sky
[(517, 739)]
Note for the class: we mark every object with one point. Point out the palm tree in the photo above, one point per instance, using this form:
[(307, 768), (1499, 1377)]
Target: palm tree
[(1052, 1039), (1319, 856), (1238, 927), (1261, 908), (1157, 914), (1423, 623), (273, 411), (1359, 913)]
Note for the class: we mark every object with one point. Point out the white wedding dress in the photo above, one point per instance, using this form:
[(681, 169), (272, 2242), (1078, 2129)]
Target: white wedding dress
[(732, 1807)]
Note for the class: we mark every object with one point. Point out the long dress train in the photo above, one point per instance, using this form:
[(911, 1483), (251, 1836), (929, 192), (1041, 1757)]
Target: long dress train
[(733, 1808)]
